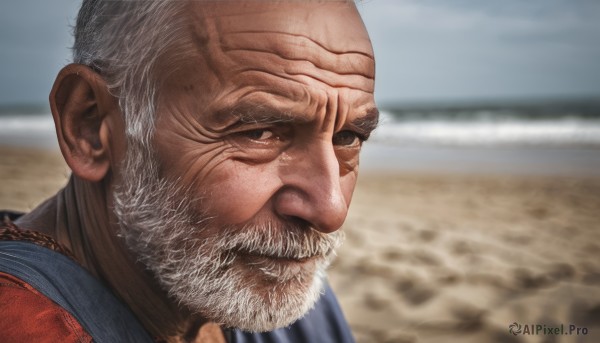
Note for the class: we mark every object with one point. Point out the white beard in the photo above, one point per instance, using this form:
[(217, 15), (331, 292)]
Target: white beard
[(244, 277)]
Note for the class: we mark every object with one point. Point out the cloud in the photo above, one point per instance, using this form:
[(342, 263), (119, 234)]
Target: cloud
[(462, 49), (35, 40)]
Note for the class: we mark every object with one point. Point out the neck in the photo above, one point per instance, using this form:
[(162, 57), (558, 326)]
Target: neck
[(78, 217)]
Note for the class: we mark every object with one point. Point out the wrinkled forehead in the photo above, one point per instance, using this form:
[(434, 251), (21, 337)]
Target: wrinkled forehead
[(334, 25)]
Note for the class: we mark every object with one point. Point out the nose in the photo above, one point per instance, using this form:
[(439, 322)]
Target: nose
[(312, 189)]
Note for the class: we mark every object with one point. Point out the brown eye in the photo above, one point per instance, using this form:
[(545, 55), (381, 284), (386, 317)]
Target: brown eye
[(346, 138), (258, 135)]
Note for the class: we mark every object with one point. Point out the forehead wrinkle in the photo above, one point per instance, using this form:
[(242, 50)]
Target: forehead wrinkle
[(304, 38), (314, 76), (296, 21), (332, 24), (290, 72), (259, 51), (297, 47), (283, 76)]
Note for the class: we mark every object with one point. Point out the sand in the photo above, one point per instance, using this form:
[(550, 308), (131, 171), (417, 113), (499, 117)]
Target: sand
[(439, 257), (458, 258), (29, 176)]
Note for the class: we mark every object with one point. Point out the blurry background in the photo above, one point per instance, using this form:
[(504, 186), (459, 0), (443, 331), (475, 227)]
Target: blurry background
[(479, 199), (504, 75)]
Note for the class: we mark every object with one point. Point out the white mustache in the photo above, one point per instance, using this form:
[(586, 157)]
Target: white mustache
[(290, 241)]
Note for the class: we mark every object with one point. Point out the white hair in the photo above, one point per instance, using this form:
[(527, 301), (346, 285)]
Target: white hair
[(123, 41)]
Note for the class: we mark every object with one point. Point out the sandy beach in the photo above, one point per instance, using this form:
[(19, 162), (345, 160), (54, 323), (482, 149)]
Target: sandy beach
[(458, 258), (438, 257)]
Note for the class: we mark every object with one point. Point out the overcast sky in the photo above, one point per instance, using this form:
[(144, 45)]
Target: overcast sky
[(425, 49)]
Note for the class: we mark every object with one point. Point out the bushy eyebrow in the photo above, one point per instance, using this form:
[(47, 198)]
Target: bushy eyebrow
[(368, 122), (256, 114), (245, 113)]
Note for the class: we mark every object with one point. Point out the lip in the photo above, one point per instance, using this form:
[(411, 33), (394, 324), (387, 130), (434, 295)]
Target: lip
[(278, 269), (258, 258)]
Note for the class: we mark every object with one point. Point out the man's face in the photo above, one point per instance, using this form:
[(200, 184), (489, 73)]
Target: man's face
[(258, 132), (267, 114)]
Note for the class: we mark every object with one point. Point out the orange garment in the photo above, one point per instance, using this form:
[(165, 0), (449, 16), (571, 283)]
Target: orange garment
[(28, 316)]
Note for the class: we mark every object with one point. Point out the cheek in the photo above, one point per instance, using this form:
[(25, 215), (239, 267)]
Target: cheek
[(237, 192)]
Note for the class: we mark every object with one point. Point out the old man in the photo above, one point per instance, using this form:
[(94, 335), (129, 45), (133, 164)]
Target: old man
[(214, 149)]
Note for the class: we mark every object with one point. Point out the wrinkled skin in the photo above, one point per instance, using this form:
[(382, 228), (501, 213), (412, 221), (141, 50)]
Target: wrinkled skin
[(266, 118)]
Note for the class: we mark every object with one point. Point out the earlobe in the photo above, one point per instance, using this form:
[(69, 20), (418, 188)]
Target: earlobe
[(82, 106)]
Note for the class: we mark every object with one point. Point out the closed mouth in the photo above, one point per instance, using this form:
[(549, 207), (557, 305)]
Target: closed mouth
[(258, 257)]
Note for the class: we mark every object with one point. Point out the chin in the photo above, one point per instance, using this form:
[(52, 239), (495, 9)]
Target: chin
[(257, 294)]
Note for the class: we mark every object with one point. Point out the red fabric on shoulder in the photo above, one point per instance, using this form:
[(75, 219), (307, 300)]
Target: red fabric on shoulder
[(29, 316)]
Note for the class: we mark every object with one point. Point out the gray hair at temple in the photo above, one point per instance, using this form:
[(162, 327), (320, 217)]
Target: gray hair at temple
[(124, 41)]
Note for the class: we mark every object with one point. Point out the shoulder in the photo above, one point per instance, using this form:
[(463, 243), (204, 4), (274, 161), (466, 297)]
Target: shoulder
[(60, 280), (28, 316)]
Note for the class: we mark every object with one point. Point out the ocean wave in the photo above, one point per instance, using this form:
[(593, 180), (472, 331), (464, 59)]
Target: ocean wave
[(26, 123), (35, 131), (487, 131)]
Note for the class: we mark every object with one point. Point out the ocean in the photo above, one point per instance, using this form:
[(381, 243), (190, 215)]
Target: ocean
[(29, 126), (561, 137), (566, 123)]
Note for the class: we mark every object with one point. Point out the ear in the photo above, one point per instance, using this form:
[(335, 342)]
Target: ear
[(85, 114)]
